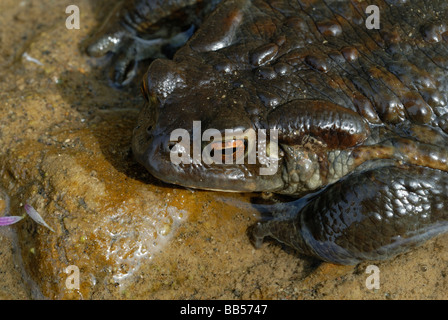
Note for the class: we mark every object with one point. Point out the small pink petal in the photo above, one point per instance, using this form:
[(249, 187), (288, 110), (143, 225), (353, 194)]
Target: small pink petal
[(36, 216), (6, 221)]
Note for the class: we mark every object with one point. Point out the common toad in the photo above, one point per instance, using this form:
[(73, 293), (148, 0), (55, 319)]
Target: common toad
[(361, 114)]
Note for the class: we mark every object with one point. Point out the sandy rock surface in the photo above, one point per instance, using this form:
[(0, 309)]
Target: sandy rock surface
[(65, 149)]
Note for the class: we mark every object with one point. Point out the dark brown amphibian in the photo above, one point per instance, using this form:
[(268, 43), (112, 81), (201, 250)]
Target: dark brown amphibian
[(361, 114)]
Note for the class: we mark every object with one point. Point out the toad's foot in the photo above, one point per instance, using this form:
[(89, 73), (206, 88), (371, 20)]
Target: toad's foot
[(367, 216)]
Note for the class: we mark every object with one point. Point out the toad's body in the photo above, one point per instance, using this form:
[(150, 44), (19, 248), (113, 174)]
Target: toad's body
[(361, 114)]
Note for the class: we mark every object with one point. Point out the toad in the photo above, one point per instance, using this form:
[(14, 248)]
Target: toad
[(355, 118)]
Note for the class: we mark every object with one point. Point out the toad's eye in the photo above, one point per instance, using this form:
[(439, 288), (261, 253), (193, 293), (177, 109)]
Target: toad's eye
[(226, 151)]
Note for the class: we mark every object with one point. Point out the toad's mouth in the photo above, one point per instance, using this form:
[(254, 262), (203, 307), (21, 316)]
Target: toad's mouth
[(231, 163)]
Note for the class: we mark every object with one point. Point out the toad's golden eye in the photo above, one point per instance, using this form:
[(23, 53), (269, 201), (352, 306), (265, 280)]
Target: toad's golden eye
[(235, 150)]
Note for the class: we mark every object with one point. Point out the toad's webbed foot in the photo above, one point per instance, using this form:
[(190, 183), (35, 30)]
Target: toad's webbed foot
[(130, 49), (138, 30), (371, 215)]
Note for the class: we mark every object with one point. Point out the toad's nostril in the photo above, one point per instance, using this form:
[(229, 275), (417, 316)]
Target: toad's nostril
[(171, 145)]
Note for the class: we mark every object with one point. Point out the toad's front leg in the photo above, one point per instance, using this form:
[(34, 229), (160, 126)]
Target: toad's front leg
[(142, 29), (366, 216)]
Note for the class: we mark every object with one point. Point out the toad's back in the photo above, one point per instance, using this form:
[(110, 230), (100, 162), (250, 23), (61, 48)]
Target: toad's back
[(324, 50)]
